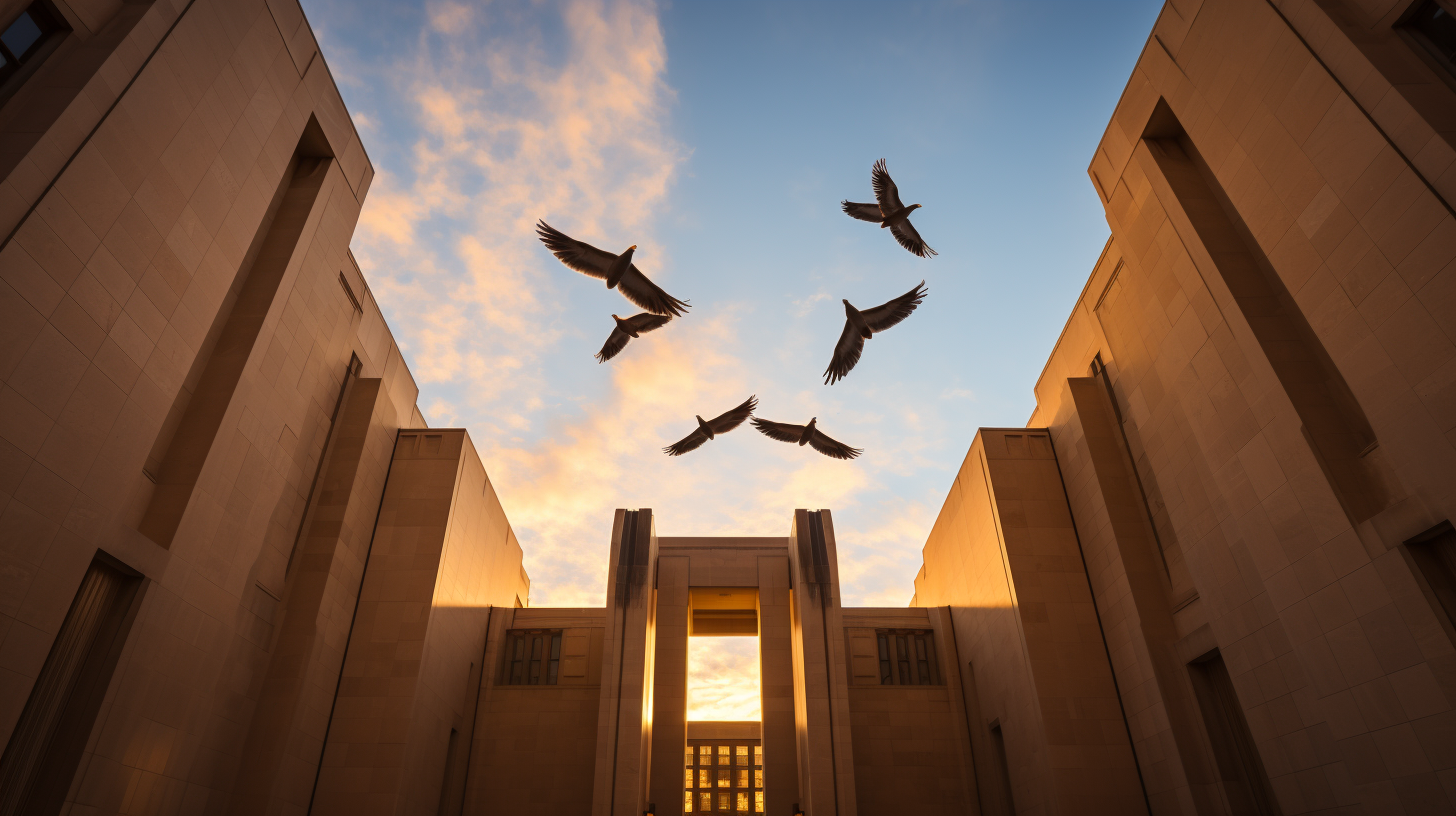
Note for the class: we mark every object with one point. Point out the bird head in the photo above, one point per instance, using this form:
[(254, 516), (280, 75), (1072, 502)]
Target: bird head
[(813, 420), (630, 250), (914, 207), (699, 419)]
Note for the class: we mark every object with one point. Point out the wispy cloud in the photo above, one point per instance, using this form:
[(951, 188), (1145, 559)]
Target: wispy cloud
[(510, 128), (515, 121), (504, 114), (723, 679)]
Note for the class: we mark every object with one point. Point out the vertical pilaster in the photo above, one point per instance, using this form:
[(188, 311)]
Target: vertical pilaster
[(821, 689), (776, 682), (279, 760), (670, 686), (624, 723)]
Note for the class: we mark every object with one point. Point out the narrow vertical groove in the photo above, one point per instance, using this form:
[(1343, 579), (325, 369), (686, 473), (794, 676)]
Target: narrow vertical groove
[(966, 709), (1100, 369), (820, 552), (353, 619), (475, 709), (351, 373), (188, 449), (1332, 420), (1102, 633)]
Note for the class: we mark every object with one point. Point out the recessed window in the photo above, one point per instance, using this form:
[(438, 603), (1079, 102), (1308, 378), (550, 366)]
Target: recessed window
[(907, 657), (533, 658), (21, 41), (46, 746), (1434, 553), (1241, 768), (1433, 24), (710, 787)]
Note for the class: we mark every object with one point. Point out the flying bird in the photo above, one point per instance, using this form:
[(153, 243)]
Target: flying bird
[(711, 428), (861, 326), (625, 330), (616, 270), (889, 212), (800, 434)]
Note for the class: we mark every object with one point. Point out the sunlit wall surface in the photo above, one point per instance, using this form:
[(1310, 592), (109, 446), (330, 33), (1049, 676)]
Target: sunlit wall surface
[(723, 679)]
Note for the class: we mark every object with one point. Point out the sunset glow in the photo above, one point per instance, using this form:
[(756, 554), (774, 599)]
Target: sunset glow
[(723, 679)]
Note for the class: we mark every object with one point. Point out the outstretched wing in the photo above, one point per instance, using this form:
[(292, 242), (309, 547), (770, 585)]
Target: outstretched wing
[(846, 354), (616, 341), (910, 239), (888, 314), (781, 431), (647, 322), (885, 190), (647, 295), (831, 447), (864, 212), (691, 442), (577, 255), (729, 420)]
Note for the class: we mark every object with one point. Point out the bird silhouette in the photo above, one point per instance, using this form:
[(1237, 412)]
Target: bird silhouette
[(617, 270), (801, 434), (889, 212), (860, 326), (625, 330), (708, 429)]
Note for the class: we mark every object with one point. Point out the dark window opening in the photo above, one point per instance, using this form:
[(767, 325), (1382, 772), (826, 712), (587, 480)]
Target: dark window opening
[(1240, 769), (998, 745), (22, 40), (45, 747), (1434, 554), (451, 791), (1433, 24), (533, 658), (907, 657)]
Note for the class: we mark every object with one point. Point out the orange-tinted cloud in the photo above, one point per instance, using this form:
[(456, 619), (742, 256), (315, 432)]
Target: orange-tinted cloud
[(723, 679), (511, 126)]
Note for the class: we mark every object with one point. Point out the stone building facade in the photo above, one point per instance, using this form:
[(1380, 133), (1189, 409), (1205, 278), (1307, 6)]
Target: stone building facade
[(238, 574), (1215, 574), (1222, 548)]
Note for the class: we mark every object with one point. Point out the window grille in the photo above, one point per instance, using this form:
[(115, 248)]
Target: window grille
[(533, 658), (907, 657), (723, 776)]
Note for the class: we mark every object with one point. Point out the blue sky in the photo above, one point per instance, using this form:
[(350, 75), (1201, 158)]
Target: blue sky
[(720, 137)]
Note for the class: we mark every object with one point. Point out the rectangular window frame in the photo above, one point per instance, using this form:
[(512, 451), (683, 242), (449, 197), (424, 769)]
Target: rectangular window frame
[(532, 657), (1432, 556), (710, 763), (1242, 775), (46, 746), (907, 657), (52, 26)]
